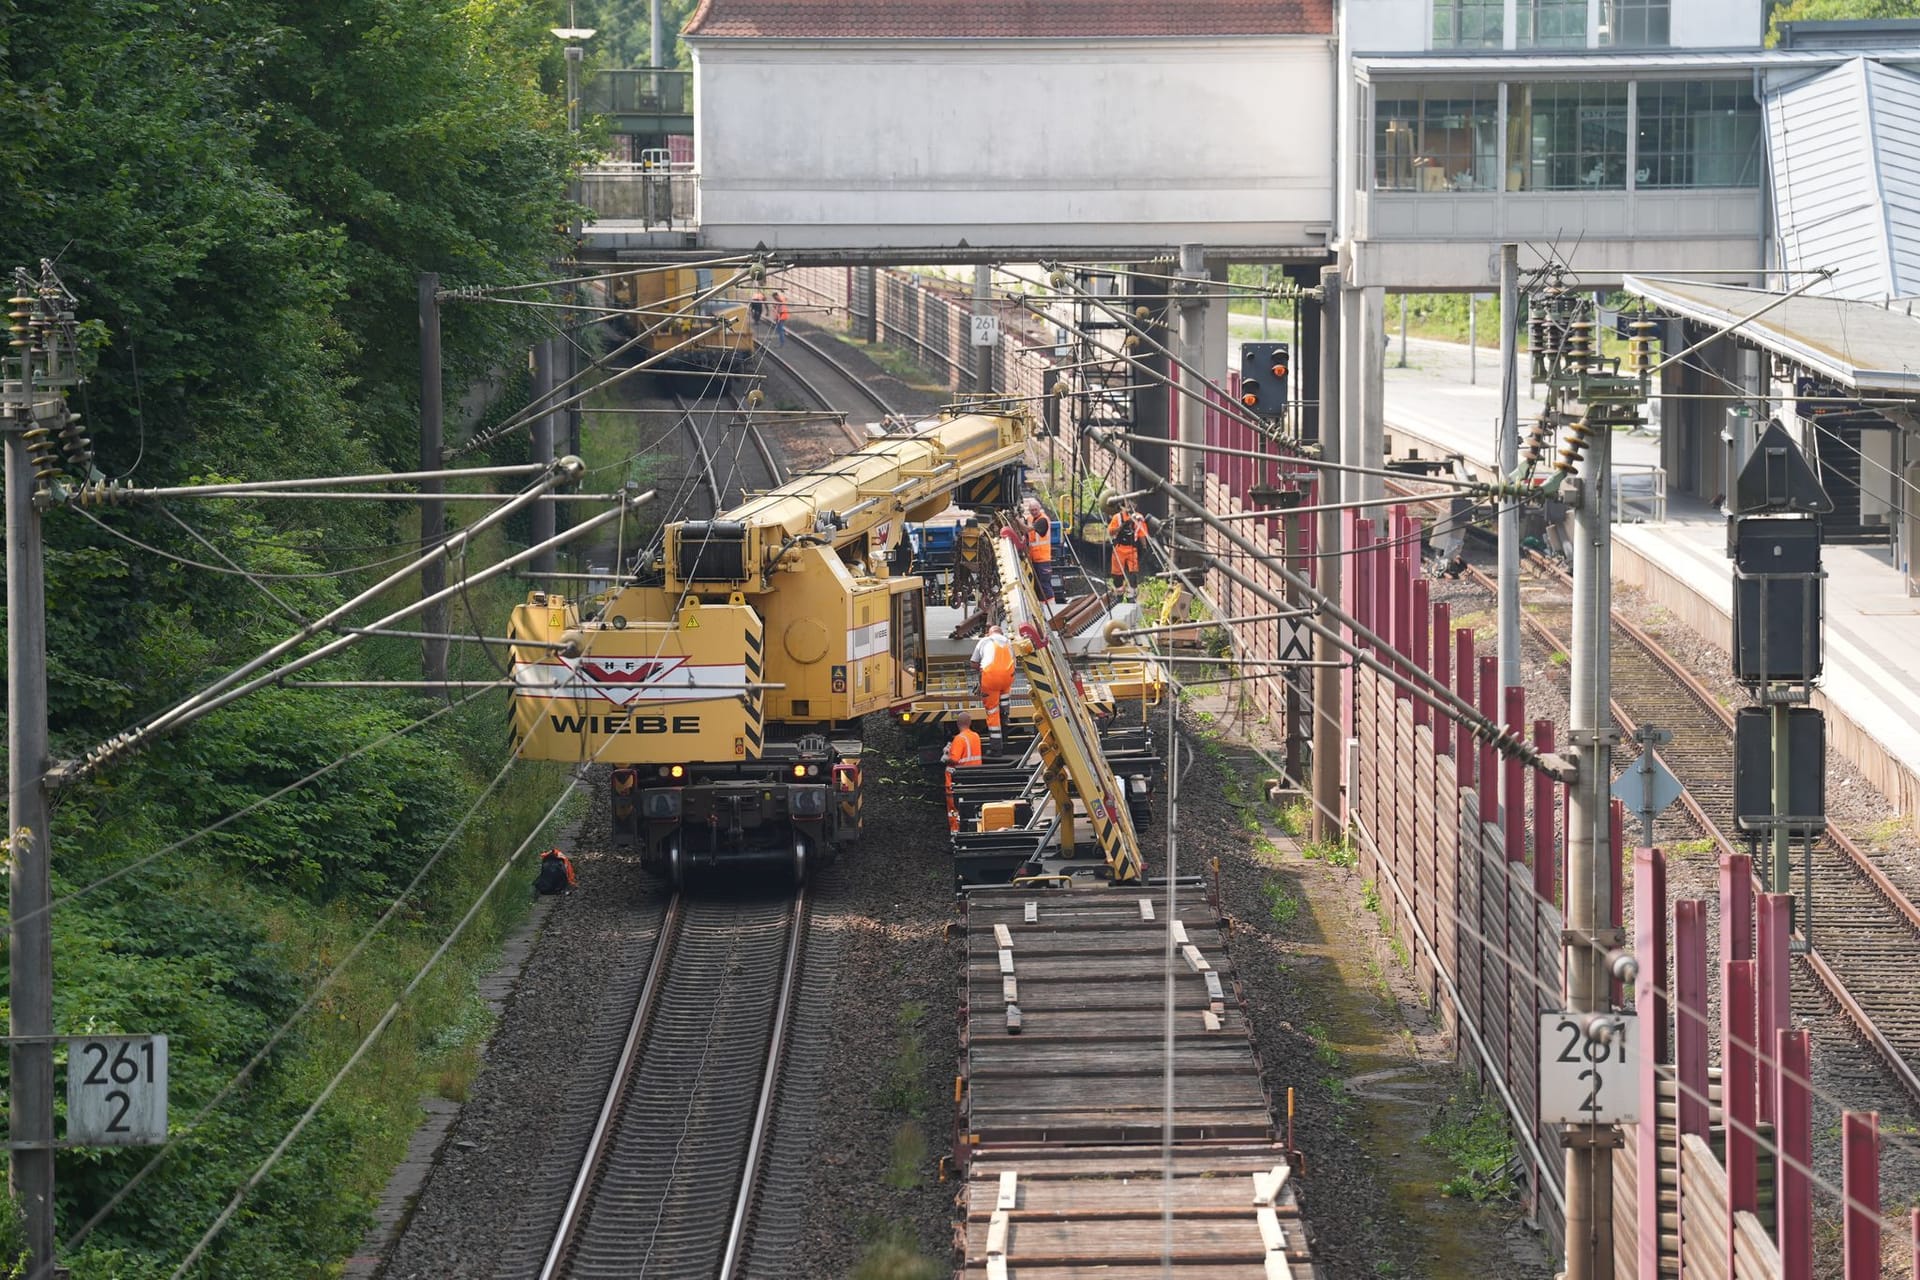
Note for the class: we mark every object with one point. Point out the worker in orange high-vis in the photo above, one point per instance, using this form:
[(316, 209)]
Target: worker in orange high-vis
[(962, 753), (993, 677), (1126, 534), (1040, 550)]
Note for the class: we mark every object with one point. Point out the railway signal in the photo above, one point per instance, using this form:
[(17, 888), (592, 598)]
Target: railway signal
[(1264, 367), (1773, 536)]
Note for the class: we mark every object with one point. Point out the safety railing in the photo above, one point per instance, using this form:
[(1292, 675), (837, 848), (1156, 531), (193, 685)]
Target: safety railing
[(657, 196)]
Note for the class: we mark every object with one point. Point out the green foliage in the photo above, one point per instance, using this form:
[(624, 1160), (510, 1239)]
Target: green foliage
[(626, 34), (240, 196), (895, 1255), (1283, 904), (1835, 10), (1472, 1134), (903, 1090), (908, 1155)]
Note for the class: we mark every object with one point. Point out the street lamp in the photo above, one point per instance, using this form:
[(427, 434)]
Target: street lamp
[(574, 35)]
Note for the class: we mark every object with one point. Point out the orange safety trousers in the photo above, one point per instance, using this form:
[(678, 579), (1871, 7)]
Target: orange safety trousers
[(1126, 561)]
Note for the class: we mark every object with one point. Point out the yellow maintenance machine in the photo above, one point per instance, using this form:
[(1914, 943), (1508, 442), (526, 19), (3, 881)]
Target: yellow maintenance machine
[(1072, 762), (688, 317), (727, 685)]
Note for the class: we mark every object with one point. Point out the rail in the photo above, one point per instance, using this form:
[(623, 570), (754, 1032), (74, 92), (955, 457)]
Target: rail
[(673, 1159), (702, 455), (1069, 741), (812, 388), (769, 1087), (573, 1214), (1840, 854)]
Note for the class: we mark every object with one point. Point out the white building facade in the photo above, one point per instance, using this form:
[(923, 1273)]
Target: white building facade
[(1016, 130)]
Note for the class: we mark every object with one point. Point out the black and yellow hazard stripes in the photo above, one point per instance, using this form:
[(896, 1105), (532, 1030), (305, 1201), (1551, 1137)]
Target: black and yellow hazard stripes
[(1070, 744), (754, 725)]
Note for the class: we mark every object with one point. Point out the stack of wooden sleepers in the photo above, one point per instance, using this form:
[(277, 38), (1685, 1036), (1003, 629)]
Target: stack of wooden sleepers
[(1072, 1149)]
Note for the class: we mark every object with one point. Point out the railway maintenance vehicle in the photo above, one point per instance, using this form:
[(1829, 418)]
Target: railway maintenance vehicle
[(726, 683), (689, 317)]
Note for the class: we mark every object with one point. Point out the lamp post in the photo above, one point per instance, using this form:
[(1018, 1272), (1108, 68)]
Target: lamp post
[(574, 36)]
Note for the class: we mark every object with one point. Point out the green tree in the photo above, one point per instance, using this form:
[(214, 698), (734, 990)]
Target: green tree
[(240, 193), (626, 31), (1833, 11)]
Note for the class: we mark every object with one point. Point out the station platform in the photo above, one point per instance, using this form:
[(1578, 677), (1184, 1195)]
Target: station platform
[(1065, 1113), (1870, 692)]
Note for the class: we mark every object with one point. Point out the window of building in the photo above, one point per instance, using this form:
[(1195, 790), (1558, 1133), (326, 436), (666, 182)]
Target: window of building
[(1436, 137), (1552, 24), (1636, 24), (1567, 137), (1701, 133), (1469, 24)]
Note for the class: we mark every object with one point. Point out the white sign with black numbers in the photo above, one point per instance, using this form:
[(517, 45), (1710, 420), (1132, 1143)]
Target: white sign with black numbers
[(117, 1091), (1586, 1081), (986, 330)]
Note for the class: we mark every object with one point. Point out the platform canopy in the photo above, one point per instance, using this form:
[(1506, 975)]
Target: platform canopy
[(1865, 346)]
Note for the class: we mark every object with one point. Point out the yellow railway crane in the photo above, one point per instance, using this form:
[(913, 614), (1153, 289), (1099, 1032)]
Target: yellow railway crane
[(1070, 752), (727, 685)]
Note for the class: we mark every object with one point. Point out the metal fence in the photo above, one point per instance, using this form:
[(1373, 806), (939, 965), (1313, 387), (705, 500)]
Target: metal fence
[(648, 194)]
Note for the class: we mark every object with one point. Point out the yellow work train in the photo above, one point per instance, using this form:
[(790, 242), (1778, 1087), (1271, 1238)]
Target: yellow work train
[(687, 317), (726, 686)]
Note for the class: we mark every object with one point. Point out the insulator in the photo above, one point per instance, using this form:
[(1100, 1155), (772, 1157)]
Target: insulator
[(1580, 354), (43, 449), (1536, 447), (1060, 388), (1132, 341), (1143, 312), (755, 398), (1573, 445), (79, 449), (1640, 346)]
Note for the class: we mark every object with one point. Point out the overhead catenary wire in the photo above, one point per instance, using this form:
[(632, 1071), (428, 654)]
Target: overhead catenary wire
[(514, 757), (379, 1028), (223, 689)]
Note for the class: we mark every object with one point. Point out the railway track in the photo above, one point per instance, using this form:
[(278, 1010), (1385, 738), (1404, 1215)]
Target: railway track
[(668, 1185), (812, 388), (1863, 928), (700, 425)]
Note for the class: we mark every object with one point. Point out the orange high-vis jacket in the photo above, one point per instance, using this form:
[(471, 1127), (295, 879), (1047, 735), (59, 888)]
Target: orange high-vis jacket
[(1040, 541), (997, 663), (965, 749)]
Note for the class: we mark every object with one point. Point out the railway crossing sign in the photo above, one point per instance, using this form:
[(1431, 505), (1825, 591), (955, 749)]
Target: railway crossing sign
[(1584, 1080), (117, 1091), (1648, 786), (985, 330)]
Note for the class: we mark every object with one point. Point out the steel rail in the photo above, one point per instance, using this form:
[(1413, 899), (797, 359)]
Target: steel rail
[(812, 388), (573, 1214), (776, 473), (1823, 972), (769, 1086), (702, 455)]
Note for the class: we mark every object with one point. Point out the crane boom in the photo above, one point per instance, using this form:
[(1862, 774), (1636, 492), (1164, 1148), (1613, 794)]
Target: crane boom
[(727, 684), (1069, 741)]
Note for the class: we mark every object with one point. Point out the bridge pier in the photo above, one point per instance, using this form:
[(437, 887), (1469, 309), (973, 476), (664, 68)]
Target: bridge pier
[(1363, 398)]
